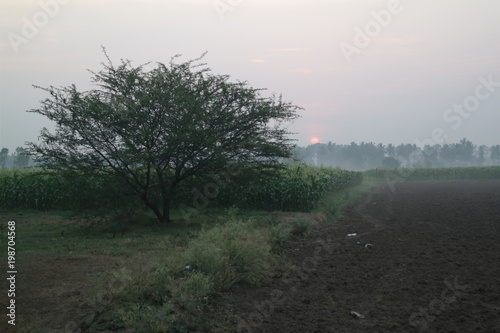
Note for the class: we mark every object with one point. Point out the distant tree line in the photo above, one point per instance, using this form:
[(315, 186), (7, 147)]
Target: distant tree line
[(18, 159), (354, 156), (366, 156)]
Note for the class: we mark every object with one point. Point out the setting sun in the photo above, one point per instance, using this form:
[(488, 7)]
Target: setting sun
[(314, 140)]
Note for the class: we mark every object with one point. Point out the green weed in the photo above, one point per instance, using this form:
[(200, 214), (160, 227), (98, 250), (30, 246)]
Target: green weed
[(300, 226), (231, 253)]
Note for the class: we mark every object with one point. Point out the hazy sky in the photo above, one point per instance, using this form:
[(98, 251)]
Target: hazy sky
[(408, 71)]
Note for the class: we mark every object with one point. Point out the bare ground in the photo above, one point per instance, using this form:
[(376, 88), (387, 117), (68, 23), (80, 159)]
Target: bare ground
[(433, 266)]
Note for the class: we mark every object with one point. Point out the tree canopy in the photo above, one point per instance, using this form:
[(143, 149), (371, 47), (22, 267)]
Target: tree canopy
[(155, 128)]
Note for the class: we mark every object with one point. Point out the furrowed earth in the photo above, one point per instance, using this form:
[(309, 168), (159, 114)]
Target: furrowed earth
[(433, 266), (425, 258)]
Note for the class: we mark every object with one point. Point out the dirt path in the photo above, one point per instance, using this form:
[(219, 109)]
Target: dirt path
[(434, 267), (54, 293)]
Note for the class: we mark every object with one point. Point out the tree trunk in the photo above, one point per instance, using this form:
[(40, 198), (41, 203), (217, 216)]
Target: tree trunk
[(166, 210), (163, 217), (166, 194)]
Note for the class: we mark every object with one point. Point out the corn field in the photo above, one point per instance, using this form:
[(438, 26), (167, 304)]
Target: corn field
[(458, 173), (36, 190), (295, 188), (27, 189)]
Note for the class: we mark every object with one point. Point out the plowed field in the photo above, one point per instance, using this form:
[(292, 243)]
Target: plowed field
[(425, 258)]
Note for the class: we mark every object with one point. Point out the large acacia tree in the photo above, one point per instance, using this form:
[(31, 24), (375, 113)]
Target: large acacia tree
[(155, 128)]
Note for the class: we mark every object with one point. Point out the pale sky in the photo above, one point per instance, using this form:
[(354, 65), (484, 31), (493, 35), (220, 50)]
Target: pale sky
[(379, 71)]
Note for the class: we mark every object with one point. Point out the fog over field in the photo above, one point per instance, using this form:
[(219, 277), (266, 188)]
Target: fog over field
[(392, 71), (368, 155)]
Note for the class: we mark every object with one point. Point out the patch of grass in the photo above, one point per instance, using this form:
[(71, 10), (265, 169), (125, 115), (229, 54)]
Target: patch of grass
[(333, 204), (300, 226), (279, 235), (145, 318), (178, 285), (193, 290), (51, 234), (232, 252), (415, 174)]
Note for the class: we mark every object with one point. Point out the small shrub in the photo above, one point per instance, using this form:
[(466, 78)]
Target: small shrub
[(232, 253), (156, 285), (194, 290), (144, 318), (213, 261), (167, 296), (300, 226), (279, 236)]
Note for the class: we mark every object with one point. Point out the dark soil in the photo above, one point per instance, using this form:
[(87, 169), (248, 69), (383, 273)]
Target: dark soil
[(433, 266), (53, 294)]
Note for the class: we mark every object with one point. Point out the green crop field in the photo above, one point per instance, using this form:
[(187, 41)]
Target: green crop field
[(295, 188), (456, 173), (34, 189)]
